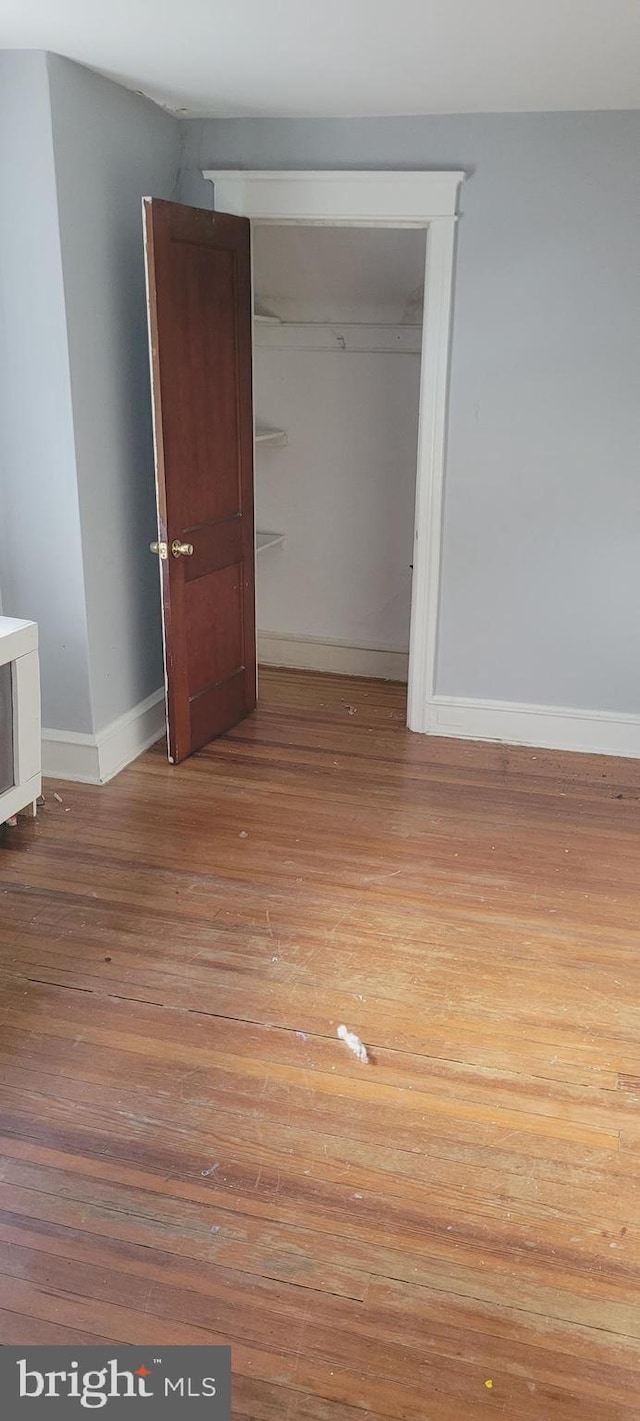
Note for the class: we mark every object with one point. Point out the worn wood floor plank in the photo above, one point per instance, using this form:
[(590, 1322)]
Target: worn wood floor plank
[(189, 1154)]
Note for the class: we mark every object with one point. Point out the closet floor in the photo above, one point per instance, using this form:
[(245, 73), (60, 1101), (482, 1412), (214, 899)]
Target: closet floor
[(189, 1153)]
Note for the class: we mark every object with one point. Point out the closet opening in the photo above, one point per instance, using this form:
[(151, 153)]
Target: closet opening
[(351, 400), (337, 350)]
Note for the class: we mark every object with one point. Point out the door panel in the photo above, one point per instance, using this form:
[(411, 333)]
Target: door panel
[(199, 275), (214, 619)]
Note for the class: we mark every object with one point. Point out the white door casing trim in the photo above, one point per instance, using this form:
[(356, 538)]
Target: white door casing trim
[(348, 196), (386, 199)]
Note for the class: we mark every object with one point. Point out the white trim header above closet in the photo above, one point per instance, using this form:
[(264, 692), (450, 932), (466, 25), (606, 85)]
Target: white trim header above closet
[(372, 198)]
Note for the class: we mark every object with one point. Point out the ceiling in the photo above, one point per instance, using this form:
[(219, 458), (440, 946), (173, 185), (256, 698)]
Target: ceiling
[(347, 57), (339, 273)]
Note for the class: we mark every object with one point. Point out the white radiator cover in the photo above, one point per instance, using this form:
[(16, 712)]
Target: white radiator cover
[(20, 767)]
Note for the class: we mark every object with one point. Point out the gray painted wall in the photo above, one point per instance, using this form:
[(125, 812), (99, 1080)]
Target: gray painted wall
[(41, 574), (541, 572), (111, 148), (77, 154)]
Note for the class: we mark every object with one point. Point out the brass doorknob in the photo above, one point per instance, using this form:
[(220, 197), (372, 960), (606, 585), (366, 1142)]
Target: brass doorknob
[(160, 549), (181, 550)]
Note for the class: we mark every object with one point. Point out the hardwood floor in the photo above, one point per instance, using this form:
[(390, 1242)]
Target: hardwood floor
[(188, 1153)]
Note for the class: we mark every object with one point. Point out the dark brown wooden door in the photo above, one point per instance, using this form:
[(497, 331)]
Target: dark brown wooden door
[(200, 318)]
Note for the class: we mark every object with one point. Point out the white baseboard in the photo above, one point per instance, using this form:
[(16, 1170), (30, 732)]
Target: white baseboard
[(94, 759), (131, 734), (547, 727), (70, 755), (341, 658)]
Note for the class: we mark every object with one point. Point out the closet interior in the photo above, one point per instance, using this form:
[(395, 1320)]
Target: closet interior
[(337, 337)]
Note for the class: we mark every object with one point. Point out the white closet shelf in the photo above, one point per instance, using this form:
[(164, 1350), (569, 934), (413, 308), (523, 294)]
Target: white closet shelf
[(266, 320), (271, 436), (268, 540)]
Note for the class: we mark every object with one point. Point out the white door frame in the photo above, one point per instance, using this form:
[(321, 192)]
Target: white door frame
[(386, 199)]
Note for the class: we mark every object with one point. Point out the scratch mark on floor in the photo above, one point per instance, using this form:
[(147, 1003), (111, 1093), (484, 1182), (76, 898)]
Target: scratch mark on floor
[(347, 914)]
